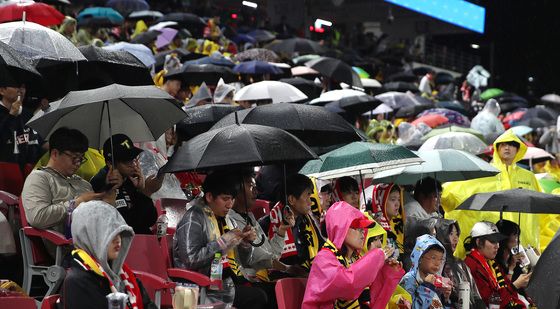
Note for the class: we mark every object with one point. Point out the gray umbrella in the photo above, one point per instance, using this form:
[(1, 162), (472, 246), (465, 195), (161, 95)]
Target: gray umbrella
[(35, 41), (141, 112), (544, 286), (515, 200)]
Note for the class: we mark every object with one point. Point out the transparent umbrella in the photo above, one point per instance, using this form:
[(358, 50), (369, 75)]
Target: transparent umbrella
[(455, 140), (34, 41), (279, 92)]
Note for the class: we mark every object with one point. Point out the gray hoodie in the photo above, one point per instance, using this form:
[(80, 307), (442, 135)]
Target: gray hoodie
[(94, 225)]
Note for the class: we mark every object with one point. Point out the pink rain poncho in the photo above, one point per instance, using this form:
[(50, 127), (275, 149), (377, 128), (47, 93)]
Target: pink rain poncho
[(329, 280)]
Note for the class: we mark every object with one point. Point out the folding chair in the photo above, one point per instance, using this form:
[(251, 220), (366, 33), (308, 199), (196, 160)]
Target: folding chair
[(18, 302), (49, 302), (290, 292)]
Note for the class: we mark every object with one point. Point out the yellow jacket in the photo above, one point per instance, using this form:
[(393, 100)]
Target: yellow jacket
[(510, 177), (95, 162)]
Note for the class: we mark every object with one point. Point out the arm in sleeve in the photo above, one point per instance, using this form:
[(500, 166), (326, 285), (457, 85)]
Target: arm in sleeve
[(193, 249), (37, 202)]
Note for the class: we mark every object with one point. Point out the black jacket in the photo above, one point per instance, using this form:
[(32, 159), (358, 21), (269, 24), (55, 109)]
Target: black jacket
[(28, 148), (86, 290), (137, 209)]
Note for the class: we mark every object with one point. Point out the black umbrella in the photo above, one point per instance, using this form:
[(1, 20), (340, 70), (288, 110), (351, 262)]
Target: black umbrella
[(407, 76), (314, 125), (146, 38), (400, 87), (358, 104), (201, 118), (15, 69), (98, 21), (543, 113), (310, 88), (105, 67), (544, 286), (185, 19), (515, 200), (145, 15), (454, 106), (296, 45), (412, 110), (335, 69), (510, 101), (261, 35), (260, 54), (443, 78), (182, 54), (196, 74), (58, 78), (238, 145), (534, 123)]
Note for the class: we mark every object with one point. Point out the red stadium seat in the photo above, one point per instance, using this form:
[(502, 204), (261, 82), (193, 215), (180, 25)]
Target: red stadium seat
[(290, 292)]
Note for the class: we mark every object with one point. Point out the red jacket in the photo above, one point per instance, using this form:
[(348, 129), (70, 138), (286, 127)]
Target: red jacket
[(508, 294)]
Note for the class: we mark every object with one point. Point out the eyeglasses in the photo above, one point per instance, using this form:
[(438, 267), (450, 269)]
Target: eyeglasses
[(76, 158), (434, 258)]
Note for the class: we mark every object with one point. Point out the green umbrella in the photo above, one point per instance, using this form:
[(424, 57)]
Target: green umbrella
[(491, 93), (361, 72), (443, 165), (360, 158), (549, 184), (305, 58), (439, 131)]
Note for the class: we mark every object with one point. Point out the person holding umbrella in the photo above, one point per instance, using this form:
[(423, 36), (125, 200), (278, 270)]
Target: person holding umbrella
[(491, 280), (133, 196)]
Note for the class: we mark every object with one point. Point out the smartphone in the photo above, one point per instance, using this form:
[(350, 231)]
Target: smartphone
[(285, 212)]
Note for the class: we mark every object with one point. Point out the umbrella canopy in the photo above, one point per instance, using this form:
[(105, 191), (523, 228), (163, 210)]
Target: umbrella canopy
[(400, 87), (412, 110), (34, 41), (491, 93), (297, 46), (443, 165), (303, 59), (361, 72), (185, 19), (454, 106), (141, 112), (314, 125), (534, 123), (381, 109), (257, 67), (453, 116), (360, 158), (510, 101), (357, 104), (182, 54), (552, 98), (301, 70), (146, 38), (397, 100), (261, 35), (407, 77), (544, 286), (15, 69), (201, 118), (455, 140), (371, 83), (139, 51), (308, 87), (215, 59), (125, 7), (196, 74), (444, 78), (536, 155), (261, 54), (335, 69), (37, 12), (145, 15), (279, 92), (99, 16), (335, 95), (432, 120), (440, 131), (547, 114), (105, 67), (515, 200), (218, 148), (165, 37)]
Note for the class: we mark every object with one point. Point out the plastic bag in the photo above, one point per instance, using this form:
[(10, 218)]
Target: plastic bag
[(150, 163)]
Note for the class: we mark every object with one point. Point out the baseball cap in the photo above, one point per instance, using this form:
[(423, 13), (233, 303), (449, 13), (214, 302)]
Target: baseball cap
[(362, 223), (487, 229), (123, 149)]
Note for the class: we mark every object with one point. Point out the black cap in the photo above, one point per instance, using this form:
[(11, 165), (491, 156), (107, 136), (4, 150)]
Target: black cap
[(123, 149)]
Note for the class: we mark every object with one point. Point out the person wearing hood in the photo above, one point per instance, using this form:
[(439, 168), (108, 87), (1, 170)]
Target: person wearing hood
[(490, 278), (423, 281), (201, 97), (347, 189), (447, 232), (68, 29), (414, 229), (339, 274), (387, 210), (102, 240), (487, 122), (224, 93), (508, 150)]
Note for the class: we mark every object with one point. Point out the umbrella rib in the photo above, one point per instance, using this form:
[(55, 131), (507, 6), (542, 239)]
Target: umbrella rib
[(141, 116)]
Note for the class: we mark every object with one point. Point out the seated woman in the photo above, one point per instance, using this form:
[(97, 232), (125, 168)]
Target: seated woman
[(304, 239), (102, 240), (339, 274), (507, 260), (387, 210), (447, 232), (490, 278)]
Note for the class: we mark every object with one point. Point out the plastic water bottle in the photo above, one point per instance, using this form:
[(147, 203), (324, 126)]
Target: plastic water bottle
[(216, 270), (495, 301), (117, 300), (161, 225), (464, 295)]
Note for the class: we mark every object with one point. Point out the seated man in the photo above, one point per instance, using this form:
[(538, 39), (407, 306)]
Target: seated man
[(133, 196), (51, 194), (202, 232), (427, 196)]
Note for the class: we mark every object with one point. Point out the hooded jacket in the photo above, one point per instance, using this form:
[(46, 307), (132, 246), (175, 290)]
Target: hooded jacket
[(94, 225), (329, 280), (510, 177), (487, 121), (455, 269), (423, 294), (393, 226)]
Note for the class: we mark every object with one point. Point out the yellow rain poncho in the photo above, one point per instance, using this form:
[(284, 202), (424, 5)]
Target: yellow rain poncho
[(512, 177), (140, 28), (95, 162)]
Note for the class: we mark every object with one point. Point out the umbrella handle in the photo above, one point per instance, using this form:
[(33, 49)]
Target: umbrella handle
[(260, 243)]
